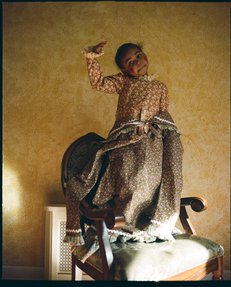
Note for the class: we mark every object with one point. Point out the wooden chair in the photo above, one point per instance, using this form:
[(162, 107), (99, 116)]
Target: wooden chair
[(190, 257)]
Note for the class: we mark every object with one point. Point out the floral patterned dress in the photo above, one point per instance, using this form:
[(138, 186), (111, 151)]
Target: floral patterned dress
[(143, 177)]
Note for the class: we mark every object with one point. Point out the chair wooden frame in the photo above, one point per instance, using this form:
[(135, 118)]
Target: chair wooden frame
[(104, 218)]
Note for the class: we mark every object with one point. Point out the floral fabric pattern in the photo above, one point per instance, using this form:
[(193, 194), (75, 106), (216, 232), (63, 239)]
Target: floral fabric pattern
[(142, 178)]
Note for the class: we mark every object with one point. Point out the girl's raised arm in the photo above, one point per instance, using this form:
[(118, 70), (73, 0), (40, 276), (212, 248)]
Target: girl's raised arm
[(108, 84)]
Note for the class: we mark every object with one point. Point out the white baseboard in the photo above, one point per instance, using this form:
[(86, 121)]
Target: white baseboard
[(37, 273), (22, 273)]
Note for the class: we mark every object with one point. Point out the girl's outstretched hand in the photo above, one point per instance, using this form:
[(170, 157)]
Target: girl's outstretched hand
[(99, 47)]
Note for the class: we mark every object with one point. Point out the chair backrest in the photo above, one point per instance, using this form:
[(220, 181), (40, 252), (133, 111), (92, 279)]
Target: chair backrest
[(77, 155)]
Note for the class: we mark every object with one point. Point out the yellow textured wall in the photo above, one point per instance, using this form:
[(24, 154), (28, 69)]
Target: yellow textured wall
[(48, 102)]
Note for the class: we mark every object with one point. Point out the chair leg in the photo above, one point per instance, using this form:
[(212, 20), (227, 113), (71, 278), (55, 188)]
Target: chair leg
[(76, 273), (72, 268), (218, 274)]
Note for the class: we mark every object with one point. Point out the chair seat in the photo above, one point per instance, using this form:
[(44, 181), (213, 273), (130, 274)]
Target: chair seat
[(159, 260)]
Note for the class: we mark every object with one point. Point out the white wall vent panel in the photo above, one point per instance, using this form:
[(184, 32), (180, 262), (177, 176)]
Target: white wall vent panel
[(57, 253)]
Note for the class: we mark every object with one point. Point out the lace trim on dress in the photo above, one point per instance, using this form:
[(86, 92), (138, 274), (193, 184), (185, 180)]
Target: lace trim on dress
[(74, 237)]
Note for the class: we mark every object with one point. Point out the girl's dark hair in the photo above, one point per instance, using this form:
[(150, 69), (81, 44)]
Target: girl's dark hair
[(122, 50)]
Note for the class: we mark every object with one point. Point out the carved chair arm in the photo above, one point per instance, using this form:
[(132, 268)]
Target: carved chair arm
[(106, 214), (103, 218), (197, 204), (97, 214)]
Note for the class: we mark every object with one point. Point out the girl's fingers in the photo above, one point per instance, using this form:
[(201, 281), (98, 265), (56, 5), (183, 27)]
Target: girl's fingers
[(98, 48), (102, 44)]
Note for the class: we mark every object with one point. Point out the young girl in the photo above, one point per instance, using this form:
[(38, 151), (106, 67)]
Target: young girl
[(143, 177)]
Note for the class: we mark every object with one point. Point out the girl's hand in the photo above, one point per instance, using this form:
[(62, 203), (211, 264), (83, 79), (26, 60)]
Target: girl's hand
[(99, 47), (142, 129)]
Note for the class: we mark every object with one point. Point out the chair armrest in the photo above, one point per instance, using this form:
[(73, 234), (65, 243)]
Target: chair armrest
[(103, 218), (197, 203), (97, 214)]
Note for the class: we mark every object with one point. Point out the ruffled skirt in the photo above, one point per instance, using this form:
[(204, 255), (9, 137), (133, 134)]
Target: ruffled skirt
[(141, 179)]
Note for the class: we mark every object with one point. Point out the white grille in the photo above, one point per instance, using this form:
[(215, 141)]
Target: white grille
[(65, 251)]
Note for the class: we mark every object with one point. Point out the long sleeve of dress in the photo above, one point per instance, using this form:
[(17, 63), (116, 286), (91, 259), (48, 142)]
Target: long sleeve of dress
[(108, 84), (164, 100)]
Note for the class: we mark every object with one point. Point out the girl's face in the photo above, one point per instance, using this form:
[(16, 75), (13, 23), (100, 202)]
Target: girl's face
[(134, 62)]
